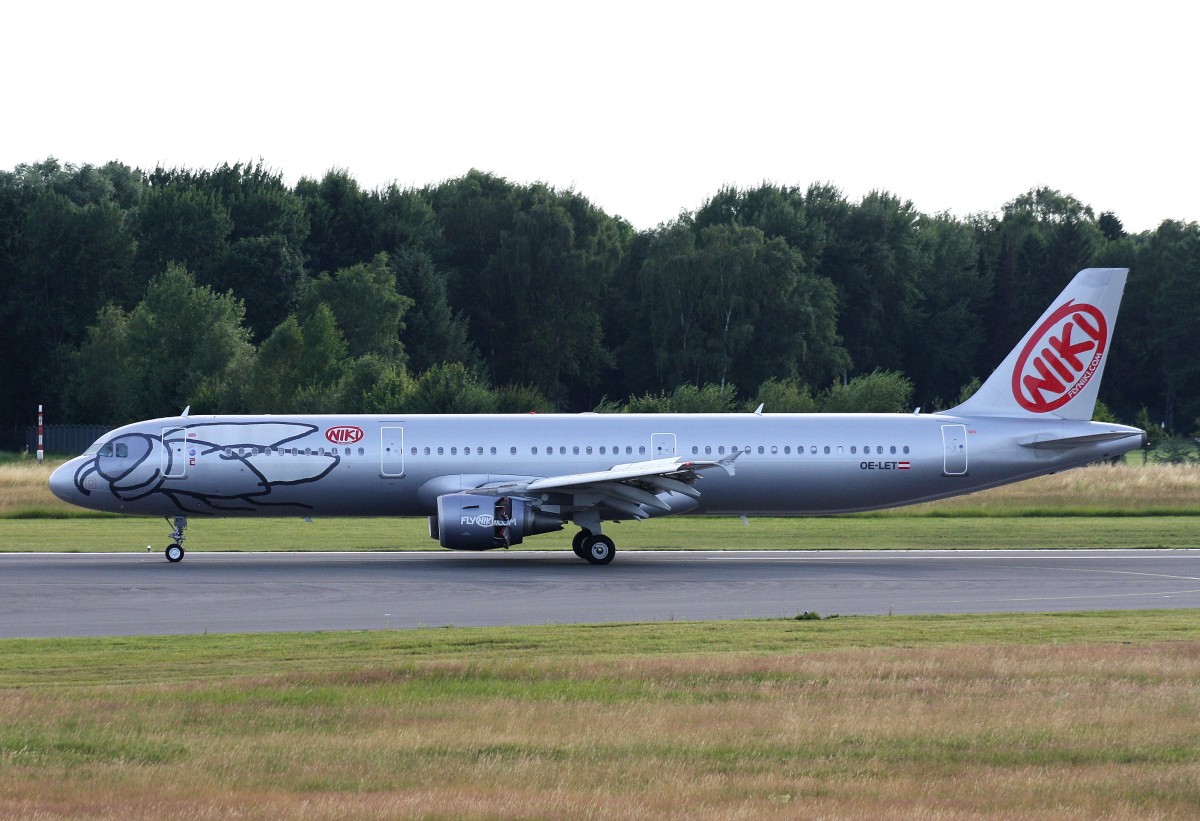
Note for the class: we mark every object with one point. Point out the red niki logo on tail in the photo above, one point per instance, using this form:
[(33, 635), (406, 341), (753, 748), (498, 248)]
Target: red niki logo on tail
[(1060, 358)]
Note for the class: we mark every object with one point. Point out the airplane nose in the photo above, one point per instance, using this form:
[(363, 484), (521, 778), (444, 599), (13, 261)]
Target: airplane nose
[(62, 482)]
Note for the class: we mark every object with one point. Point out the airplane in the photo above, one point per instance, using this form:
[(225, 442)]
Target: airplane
[(490, 480)]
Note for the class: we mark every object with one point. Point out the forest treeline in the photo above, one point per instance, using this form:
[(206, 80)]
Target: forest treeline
[(127, 294)]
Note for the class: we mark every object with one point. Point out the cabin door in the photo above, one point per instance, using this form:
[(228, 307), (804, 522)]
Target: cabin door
[(174, 456), (391, 451), (662, 445), (954, 443)]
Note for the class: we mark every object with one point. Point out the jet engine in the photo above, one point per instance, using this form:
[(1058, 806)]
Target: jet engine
[(471, 522)]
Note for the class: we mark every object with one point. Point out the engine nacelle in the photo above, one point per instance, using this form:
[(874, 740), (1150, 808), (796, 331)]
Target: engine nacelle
[(470, 522)]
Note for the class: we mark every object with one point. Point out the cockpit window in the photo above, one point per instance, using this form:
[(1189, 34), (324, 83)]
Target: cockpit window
[(119, 450)]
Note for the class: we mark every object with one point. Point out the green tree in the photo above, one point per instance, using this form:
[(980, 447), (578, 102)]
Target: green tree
[(433, 333), (449, 388), (343, 222), (181, 224), (726, 303), (181, 345), (521, 399), (368, 308), (1166, 271), (875, 392), (537, 317), (784, 396), (299, 368), (710, 398), (944, 349), (871, 257)]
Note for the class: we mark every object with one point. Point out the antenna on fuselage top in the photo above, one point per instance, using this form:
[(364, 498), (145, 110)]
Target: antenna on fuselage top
[(186, 410)]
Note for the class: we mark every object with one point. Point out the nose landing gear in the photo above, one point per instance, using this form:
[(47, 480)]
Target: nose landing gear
[(175, 550)]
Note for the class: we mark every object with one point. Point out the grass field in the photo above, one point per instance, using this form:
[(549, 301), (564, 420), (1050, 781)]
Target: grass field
[(117, 534), (1068, 716)]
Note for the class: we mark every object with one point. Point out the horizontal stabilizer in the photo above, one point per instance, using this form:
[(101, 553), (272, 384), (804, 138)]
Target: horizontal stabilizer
[(1069, 442)]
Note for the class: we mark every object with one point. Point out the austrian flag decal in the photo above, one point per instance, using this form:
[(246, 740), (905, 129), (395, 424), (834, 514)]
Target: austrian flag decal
[(1060, 358)]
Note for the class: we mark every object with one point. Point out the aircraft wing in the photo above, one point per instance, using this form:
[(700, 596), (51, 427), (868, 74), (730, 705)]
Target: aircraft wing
[(624, 488), (678, 469)]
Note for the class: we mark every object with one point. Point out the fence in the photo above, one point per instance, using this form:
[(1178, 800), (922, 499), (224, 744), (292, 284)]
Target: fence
[(65, 439)]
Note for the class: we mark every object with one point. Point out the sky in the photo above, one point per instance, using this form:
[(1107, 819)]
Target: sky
[(646, 108)]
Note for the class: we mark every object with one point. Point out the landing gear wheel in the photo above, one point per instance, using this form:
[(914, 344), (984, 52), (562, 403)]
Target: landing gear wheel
[(577, 543), (175, 549), (599, 549)]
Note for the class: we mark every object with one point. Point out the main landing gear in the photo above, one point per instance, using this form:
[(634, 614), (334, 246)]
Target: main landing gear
[(596, 548), (175, 550)]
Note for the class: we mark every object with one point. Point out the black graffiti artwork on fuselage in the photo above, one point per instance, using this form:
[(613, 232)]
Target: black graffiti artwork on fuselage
[(137, 465)]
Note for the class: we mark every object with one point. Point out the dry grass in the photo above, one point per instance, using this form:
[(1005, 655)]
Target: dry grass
[(25, 485), (967, 730), (1126, 489)]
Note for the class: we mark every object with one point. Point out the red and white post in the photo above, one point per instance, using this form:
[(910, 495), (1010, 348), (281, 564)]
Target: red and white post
[(41, 452)]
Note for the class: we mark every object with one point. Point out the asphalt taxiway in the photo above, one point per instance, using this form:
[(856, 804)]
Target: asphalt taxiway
[(142, 594)]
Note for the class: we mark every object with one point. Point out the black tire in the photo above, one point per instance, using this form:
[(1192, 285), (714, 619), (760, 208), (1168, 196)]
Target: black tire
[(577, 543), (599, 549), (175, 553)]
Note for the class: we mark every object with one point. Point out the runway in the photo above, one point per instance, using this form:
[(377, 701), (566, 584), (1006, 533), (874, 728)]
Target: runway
[(46, 595)]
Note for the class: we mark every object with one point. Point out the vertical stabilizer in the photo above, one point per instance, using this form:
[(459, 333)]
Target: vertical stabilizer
[(1055, 371)]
